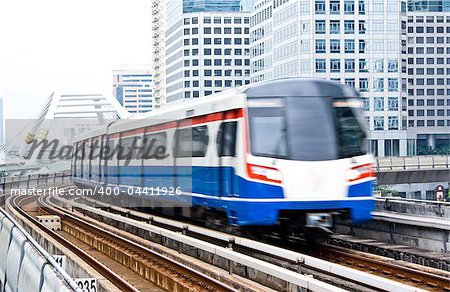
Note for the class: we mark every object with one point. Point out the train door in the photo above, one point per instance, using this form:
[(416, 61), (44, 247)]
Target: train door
[(226, 152)]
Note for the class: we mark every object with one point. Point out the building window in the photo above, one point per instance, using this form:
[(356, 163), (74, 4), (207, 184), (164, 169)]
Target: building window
[(378, 123), (349, 27), (378, 104), (349, 7), (392, 84), (321, 65), (378, 84), (363, 66), (335, 65), (334, 7), (366, 103), (320, 7), (392, 103), (350, 82), (349, 46), (379, 64), (362, 27), (392, 65), (349, 65), (362, 46), (335, 46), (335, 27), (391, 147), (362, 7), (320, 26), (363, 84), (320, 46), (393, 123)]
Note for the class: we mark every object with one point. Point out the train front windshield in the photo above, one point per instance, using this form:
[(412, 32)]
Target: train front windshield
[(308, 129)]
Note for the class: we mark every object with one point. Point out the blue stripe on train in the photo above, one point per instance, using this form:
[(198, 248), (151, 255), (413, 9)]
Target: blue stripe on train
[(205, 181)]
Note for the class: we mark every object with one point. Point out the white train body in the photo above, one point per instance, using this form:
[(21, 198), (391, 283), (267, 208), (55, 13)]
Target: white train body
[(290, 149)]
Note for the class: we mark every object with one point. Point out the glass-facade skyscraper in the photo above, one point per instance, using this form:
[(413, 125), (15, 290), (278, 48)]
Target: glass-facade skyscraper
[(429, 6), (190, 6)]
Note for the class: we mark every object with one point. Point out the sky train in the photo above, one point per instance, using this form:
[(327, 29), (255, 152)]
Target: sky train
[(289, 152)]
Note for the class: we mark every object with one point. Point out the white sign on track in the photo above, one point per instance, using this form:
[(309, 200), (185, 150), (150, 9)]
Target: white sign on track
[(87, 284), (61, 260)]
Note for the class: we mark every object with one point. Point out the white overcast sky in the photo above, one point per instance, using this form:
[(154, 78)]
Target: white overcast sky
[(68, 46)]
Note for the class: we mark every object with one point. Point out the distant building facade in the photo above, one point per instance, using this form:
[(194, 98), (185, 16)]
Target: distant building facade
[(159, 21), (206, 48), (395, 53), (361, 43), (428, 44), (133, 90)]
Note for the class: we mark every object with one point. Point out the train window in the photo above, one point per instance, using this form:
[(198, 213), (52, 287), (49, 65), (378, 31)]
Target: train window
[(267, 127), (226, 139), (351, 135), (108, 151), (151, 144), (191, 142), (126, 148)]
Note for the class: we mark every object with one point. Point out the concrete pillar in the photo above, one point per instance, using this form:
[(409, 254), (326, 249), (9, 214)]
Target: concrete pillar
[(381, 148), (431, 142), (403, 147)]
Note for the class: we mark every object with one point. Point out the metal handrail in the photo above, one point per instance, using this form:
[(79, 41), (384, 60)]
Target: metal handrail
[(43, 252), (399, 199), (403, 162)]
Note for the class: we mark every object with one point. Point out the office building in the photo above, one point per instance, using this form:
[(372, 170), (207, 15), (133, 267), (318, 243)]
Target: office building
[(158, 51), (133, 90), (428, 73), (360, 43), (206, 48)]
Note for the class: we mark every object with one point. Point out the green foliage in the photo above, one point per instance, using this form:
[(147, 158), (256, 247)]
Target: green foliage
[(426, 150), (386, 191)]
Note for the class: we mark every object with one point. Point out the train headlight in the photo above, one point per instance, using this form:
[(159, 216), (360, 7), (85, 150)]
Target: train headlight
[(265, 173)]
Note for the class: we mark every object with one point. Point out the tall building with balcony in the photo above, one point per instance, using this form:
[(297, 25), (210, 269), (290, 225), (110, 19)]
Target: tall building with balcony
[(361, 43), (428, 73), (206, 47), (133, 90), (158, 51)]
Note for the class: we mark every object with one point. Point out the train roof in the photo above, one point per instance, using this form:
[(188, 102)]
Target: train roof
[(226, 100), (300, 87)]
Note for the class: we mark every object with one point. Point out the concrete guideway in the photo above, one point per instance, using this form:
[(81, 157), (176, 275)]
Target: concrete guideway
[(291, 256), (443, 224), (421, 226), (412, 169)]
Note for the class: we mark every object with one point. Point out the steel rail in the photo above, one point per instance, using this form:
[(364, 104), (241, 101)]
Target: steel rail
[(194, 276), (262, 248), (118, 281)]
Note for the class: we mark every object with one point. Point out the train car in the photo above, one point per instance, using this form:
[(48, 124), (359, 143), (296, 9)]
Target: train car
[(287, 152)]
